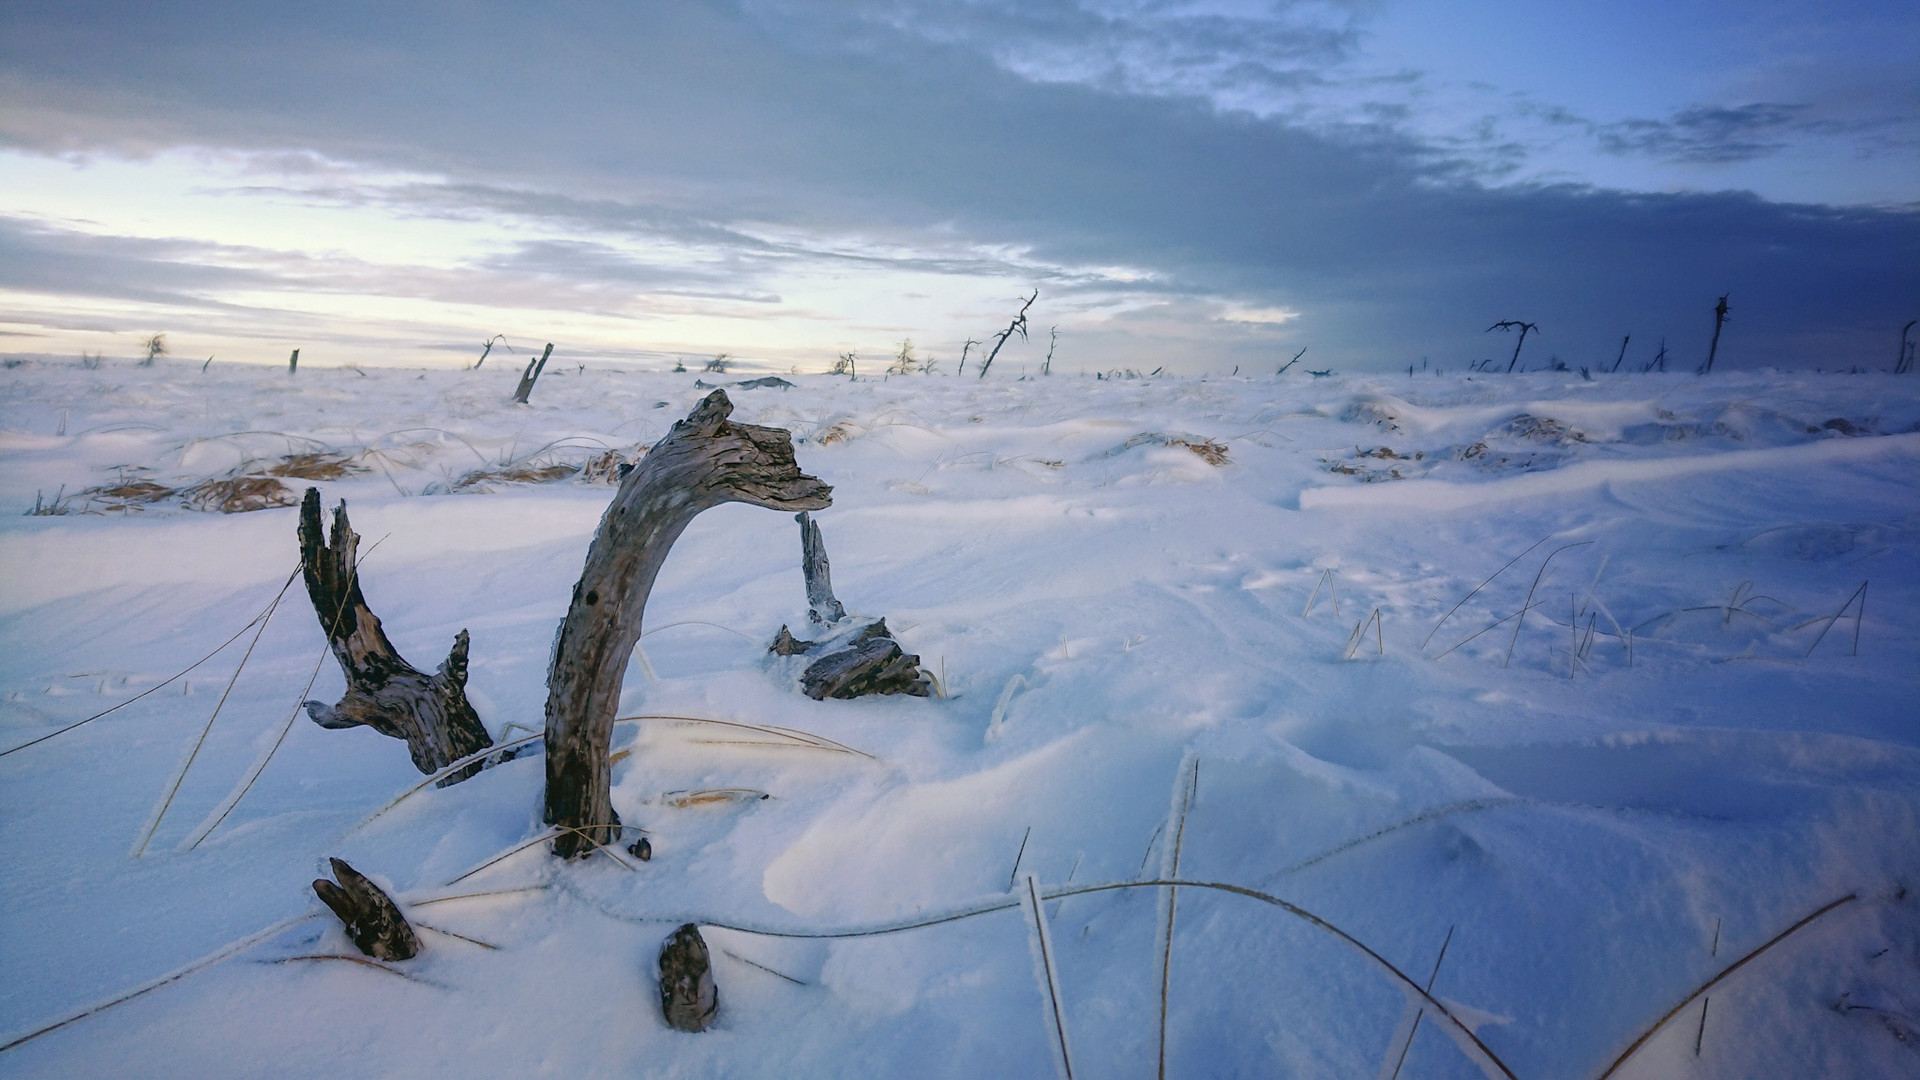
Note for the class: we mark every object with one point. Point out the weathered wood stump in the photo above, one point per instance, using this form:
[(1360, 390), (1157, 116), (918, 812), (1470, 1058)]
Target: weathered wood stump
[(703, 462), (688, 997), (373, 920), (855, 657), (384, 692)]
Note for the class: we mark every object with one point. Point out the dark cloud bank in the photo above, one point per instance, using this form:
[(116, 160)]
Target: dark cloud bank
[(707, 123)]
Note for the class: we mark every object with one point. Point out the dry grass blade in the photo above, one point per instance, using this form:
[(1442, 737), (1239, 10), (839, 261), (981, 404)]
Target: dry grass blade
[(510, 852), (713, 797), (1634, 1047), (1417, 819), (1045, 942), (1407, 984), (166, 801), (169, 680), (478, 755), (240, 791), (361, 960), (799, 738), (478, 895), (780, 974), (1191, 786), (462, 937), (1401, 1061), (1476, 590), (1860, 594), (1526, 606), (223, 953)]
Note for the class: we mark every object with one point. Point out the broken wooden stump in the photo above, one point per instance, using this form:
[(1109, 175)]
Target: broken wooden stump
[(856, 657), (384, 692), (530, 376), (702, 462), (372, 919), (688, 997)]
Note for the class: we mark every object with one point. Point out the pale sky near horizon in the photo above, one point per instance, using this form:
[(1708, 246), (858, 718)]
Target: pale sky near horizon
[(1202, 185)]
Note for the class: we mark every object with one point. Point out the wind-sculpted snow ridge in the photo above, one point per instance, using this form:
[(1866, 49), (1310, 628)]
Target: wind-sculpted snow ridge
[(1603, 685)]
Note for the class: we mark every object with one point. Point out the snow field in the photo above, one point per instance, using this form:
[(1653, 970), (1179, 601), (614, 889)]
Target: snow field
[(1653, 755)]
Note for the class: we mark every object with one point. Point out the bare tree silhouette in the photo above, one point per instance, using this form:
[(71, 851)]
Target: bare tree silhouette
[(1017, 326), (488, 347), (1525, 328), (1905, 362), (1719, 320)]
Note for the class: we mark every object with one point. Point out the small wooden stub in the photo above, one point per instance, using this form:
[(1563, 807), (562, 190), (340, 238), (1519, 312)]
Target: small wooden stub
[(372, 919), (854, 657), (688, 998)]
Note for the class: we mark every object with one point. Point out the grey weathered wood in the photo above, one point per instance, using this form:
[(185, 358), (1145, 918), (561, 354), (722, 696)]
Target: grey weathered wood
[(688, 998), (531, 375), (822, 608), (384, 692), (703, 462), (372, 919), (875, 664), (853, 658)]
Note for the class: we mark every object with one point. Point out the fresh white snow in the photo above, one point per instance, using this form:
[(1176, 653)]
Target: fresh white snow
[(1606, 801)]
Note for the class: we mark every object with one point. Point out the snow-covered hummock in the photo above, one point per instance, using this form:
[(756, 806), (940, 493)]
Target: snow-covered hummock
[(1656, 769)]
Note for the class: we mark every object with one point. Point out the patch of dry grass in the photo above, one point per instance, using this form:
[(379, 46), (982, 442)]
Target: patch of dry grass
[(238, 495), (325, 465)]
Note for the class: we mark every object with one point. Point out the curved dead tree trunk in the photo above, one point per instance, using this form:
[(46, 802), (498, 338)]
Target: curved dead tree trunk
[(703, 462), (384, 692)]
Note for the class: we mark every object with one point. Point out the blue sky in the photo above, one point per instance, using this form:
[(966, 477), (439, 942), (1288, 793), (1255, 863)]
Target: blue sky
[(1195, 185)]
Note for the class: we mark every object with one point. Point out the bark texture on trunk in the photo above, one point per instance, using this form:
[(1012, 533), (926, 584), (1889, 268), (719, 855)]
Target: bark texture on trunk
[(373, 920), (384, 692), (703, 462), (688, 998), (822, 607), (853, 658)]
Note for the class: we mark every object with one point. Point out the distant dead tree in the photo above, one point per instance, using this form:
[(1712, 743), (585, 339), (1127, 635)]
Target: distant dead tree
[(964, 349), (156, 346), (1659, 361), (293, 362), (531, 375), (1524, 328), (1719, 320), (847, 365), (719, 364), (1290, 363), (1053, 338), (1904, 364), (1618, 360), (903, 360), (1017, 326), (487, 347)]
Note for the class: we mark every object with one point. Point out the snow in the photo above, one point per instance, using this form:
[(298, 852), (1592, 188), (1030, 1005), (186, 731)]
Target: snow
[(1653, 761)]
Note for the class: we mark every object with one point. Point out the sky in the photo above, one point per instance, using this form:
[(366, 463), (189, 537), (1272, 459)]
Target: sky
[(1202, 186)]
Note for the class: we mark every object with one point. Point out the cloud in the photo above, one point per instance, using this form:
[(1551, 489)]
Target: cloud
[(1707, 134), (760, 141), (51, 261)]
